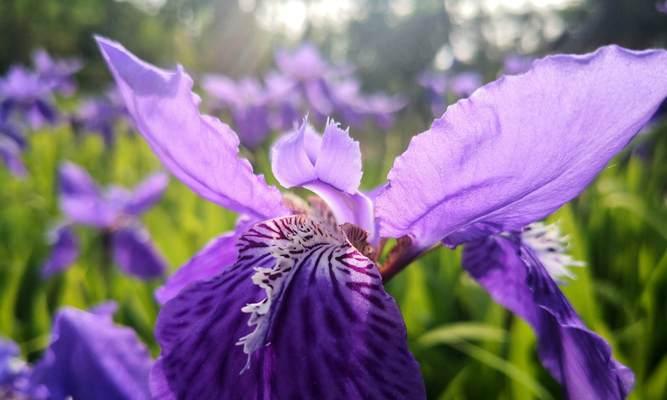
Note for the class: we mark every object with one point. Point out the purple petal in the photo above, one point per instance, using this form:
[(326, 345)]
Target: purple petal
[(64, 250), (327, 325), (578, 358), (304, 63), (329, 166), (147, 193), (199, 150), (209, 262), (91, 358), (80, 198), (10, 154), (522, 146), (465, 83), (134, 252), (301, 157)]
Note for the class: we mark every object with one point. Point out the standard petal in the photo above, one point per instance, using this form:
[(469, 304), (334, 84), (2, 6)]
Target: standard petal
[(199, 150), (64, 250), (325, 329), (80, 198), (520, 147), (575, 356), (209, 262), (147, 193), (329, 166), (134, 252), (91, 358)]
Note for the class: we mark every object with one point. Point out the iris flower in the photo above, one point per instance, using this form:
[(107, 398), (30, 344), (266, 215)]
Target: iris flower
[(100, 115), (115, 212), (89, 357), (247, 102), (292, 304), (57, 74), (25, 100)]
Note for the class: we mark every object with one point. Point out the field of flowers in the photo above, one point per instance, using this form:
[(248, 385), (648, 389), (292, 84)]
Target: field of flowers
[(69, 240)]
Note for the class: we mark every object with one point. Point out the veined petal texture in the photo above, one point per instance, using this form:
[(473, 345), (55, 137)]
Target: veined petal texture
[(522, 146), (301, 314)]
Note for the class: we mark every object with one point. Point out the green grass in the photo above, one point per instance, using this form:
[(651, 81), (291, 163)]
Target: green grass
[(468, 346)]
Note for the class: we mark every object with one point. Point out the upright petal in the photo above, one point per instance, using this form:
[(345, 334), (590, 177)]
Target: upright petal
[(80, 198), (199, 150), (321, 325), (575, 356), (91, 358), (134, 252), (520, 147), (64, 250), (329, 166), (147, 193)]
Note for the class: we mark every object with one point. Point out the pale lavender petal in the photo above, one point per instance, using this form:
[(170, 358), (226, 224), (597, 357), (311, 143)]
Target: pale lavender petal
[(209, 262), (327, 320), (199, 150), (64, 250), (91, 358), (147, 193), (136, 255), (329, 166), (80, 198), (335, 160), (578, 358), (522, 146)]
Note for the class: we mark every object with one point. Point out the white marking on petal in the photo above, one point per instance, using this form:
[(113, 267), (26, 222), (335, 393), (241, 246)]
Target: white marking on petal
[(289, 241), (551, 247)]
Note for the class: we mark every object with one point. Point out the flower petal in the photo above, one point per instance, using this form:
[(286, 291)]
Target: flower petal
[(91, 358), (134, 252), (64, 251), (329, 166), (147, 193), (209, 262), (199, 150), (575, 356), (522, 146), (327, 328), (80, 198)]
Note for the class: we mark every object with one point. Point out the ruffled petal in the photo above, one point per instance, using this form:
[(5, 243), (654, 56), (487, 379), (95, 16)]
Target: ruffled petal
[(80, 198), (316, 323), (329, 166), (575, 356), (64, 250), (147, 193), (520, 147), (199, 150), (91, 358), (136, 255)]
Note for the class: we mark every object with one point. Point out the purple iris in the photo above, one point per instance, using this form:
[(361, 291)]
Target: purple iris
[(247, 101), (57, 74), (25, 99), (12, 144), (292, 304), (100, 115), (89, 357), (115, 212)]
